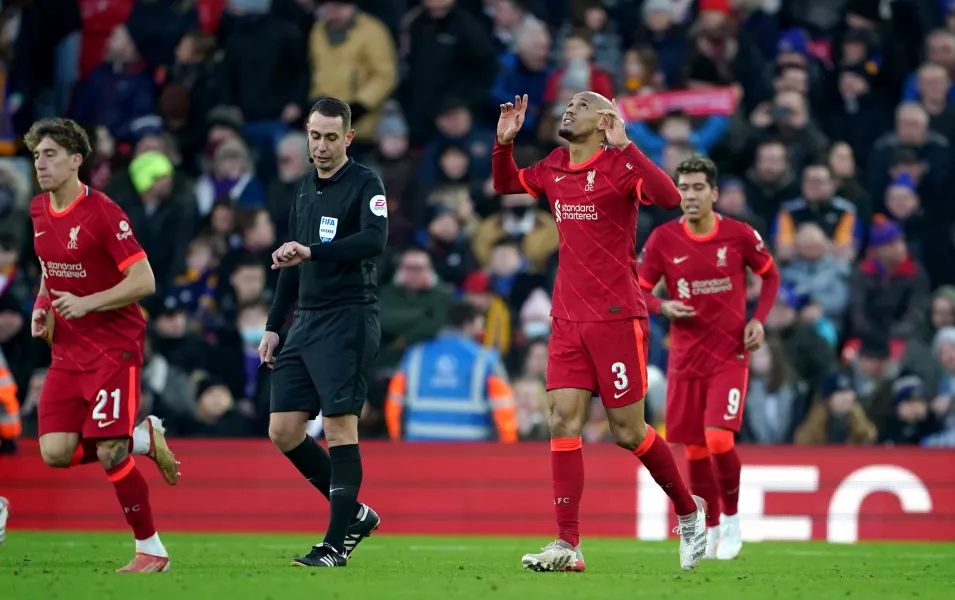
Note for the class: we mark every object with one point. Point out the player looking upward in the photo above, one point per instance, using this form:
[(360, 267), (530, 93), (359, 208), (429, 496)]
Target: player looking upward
[(600, 332), (94, 273), (703, 258)]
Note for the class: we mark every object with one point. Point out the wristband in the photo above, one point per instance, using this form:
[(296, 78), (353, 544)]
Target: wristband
[(42, 303)]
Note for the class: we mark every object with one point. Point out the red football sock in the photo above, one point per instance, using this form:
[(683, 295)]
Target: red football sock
[(728, 468), (703, 482), (567, 467), (722, 446), (655, 455), (85, 452), (133, 494)]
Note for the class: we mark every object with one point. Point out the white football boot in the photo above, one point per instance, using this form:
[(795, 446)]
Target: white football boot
[(712, 542), (692, 532), (557, 557), (731, 540)]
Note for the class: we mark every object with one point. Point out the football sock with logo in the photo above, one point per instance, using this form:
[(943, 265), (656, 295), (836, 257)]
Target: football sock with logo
[(722, 446), (312, 461), (133, 494), (345, 483), (567, 468), (703, 481), (655, 455)]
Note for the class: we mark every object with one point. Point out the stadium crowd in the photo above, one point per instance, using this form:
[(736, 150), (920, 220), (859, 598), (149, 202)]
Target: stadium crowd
[(831, 122)]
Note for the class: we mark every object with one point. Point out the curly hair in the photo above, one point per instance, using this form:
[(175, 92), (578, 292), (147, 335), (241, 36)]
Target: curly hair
[(698, 164), (65, 132)]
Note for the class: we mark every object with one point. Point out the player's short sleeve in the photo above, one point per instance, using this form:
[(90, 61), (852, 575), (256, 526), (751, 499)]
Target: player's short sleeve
[(754, 251), (650, 263), (117, 235), (533, 177)]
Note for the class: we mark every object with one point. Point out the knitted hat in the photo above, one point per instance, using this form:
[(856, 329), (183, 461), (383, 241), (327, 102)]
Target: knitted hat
[(904, 180), (795, 41), (833, 382), (907, 387), (664, 6), (945, 335), (147, 168), (883, 231)]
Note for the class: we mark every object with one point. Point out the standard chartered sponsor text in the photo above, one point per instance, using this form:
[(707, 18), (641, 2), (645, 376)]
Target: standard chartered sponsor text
[(65, 270), (579, 212), (712, 286)]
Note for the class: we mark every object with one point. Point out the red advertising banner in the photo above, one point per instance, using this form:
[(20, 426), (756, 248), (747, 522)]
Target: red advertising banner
[(695, 103), (839, 494)]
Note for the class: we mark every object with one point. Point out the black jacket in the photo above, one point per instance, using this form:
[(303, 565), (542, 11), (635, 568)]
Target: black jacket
[(344, 222)]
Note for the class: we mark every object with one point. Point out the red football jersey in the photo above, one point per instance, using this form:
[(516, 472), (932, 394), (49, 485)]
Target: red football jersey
[(595, 206), (709, 274), (84, 250)]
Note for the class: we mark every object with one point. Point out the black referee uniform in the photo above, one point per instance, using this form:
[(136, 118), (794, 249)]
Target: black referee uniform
[(333, 342)]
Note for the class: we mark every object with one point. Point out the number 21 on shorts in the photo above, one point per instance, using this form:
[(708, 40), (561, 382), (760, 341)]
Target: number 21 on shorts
[(104, 400)]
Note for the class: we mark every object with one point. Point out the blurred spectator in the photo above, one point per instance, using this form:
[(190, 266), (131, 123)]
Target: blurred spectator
[(733, 203), (14, 207), (919, 357), (660, 28), (641, 74), (519, 220), (873, 370), (590, 17), (265, 74), (167, 391), (903, 205), (237, 361), (787, 119), (158, 26), (451, 190), (837, 417), (815, 271), (173, 338), (353, 59), (413, 307), (912, 420), (292, 160), (578, 53), (775, 397), (809, 353), (771, 180), (195, 288), (530, 399), (215, 414), (862, 114), (934, 93), (940, 51), (256, 235), (447, 54), (677, 128), (479, 291), (455, 129), (160, 212), (117, 91), (232, 175), (843, 166), (525, 71), (449, 248), (596, 428), (509, 18), (246, 285), (890, 291), (819, 205), (451, 388)]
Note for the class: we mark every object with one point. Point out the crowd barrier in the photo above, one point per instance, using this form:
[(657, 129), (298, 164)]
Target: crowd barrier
[(839, 494)]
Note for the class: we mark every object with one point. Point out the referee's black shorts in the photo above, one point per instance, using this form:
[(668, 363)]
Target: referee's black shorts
[(326, 361)]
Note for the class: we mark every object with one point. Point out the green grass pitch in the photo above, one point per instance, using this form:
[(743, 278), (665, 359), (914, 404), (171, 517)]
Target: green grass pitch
[(79, 566)]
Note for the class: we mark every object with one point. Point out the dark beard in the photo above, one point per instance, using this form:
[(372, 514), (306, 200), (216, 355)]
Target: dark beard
[(566, 134)]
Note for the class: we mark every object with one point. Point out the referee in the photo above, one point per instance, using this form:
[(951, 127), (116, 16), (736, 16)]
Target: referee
[(339, 221)]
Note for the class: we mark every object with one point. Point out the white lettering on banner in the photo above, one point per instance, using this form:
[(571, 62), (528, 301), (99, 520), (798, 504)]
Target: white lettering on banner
[(653, 506), (842, 526), (843, 520)]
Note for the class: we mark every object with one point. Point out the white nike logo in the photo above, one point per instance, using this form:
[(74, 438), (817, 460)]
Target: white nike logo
[(677, 261), (622, 394), (556, 179), (333, 490), (103, 424), (38, 234), (729, 417)]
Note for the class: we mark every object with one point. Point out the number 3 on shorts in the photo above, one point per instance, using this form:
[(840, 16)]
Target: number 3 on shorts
[(620, 370), (102, 399)]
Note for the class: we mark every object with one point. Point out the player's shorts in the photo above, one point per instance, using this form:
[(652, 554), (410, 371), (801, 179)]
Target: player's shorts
[(697, 403), (609, 358), (326, 361), (98, 404)]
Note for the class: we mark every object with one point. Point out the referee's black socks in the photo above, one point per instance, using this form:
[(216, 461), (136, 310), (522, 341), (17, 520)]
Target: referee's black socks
[(312, 462), (345, 483)]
